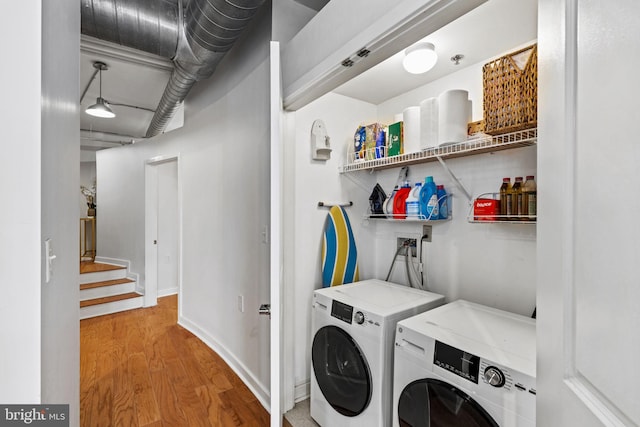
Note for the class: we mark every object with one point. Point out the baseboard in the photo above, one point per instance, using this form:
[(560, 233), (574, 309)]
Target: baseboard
[(258, 389), (114, 261), (167, 292), (302, 391)]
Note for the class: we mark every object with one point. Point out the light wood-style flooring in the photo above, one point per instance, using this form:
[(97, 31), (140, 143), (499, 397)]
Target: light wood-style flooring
[(140, 368)]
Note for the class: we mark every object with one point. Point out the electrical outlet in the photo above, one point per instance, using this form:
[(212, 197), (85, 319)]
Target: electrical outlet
[(412, 244), (241, 303), (426, 233)]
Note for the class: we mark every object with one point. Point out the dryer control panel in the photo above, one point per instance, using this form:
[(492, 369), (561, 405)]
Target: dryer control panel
[(461, 363), (342, 311)]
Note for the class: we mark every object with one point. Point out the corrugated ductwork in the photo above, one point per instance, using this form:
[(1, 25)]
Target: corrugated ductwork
[(211, 28), (196, 45), (150, 26)]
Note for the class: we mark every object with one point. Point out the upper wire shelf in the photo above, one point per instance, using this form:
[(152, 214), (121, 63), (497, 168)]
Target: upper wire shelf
[(470, 147)]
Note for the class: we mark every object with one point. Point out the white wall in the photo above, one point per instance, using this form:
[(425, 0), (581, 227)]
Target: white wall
[(224, 181), (488, 264), (60, 187), (20, 213), (289, 17), (314, 181), (491, 264), (38, 186)]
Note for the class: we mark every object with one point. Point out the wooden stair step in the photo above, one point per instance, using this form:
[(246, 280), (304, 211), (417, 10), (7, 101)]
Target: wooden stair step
[(104, 283), (94, 267), (105, 300)]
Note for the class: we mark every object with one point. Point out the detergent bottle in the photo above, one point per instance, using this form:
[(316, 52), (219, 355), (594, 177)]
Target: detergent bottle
[(443, 202), (413, 202), (400, 201), (429, 200)]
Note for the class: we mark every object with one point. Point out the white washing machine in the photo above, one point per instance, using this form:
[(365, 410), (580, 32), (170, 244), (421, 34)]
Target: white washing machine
[(353, 330), (465, 364)]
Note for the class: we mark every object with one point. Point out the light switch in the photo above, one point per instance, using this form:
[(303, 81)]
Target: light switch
[(49, 257)]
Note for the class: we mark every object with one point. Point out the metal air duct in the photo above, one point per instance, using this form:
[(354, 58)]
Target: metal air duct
[(196, 42), (150, 26)]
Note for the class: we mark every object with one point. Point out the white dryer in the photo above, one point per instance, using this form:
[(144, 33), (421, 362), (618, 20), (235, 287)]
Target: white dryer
[(353, 329), (465, 364)]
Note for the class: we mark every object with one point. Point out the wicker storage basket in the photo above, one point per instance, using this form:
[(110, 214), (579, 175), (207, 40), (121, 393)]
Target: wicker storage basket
[(510, 92)]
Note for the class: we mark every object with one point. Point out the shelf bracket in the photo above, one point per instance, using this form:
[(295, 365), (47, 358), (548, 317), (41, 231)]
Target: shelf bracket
[(455, 178), (357, 182)]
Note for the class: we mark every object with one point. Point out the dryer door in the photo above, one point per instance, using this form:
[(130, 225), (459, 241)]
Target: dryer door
[(341, 370), (434, 403)]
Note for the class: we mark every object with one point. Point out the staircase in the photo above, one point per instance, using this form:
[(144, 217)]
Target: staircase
[(107, 288)]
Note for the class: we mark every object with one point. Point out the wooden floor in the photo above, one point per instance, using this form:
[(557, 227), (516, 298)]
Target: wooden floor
[(93, 267), (139, 368)]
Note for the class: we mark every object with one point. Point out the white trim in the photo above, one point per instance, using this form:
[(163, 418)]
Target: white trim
[(302, 391), (104, 49), (402, 23), (289, 256), (113, 261), (260, 390), (599, 405), (275, 250), (167, 292)]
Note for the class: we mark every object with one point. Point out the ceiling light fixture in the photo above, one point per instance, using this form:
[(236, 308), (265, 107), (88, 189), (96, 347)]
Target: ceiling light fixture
[(101, 107), (420, 58)]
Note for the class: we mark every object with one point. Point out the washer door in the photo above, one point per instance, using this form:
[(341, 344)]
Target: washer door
[(434, 403), (341, 371)]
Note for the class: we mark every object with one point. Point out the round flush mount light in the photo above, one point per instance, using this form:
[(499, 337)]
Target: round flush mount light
[(420, 58)]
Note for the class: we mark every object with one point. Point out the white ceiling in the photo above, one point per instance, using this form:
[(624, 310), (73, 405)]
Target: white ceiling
[(139, 79), (490, 30), (134, 78)]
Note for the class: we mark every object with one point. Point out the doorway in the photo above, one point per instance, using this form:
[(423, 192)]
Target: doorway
[(163, 230)]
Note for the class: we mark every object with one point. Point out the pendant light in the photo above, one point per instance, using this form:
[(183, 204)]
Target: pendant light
[(420, 58), (101, 107)]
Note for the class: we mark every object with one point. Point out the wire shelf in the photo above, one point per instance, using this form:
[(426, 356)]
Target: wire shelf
[(391, 217), (473, 146), (502, 219), (475, 218)]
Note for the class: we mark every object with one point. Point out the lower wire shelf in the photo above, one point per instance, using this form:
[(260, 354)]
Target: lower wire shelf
[(502, 219)]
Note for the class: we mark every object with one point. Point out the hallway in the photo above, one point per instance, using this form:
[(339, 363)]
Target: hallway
[(139, 368)]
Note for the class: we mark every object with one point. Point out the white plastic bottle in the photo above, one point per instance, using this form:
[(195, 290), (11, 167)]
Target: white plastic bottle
[(413, 202)]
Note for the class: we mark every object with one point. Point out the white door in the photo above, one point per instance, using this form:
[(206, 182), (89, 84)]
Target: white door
[(275, 235), (588, 232), (162, 228), (168, 228)]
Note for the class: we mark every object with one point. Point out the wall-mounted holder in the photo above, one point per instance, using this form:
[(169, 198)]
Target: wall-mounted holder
[(320, 141)]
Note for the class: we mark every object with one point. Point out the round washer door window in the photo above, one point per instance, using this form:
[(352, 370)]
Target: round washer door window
[(434, 403), (341, 371)]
